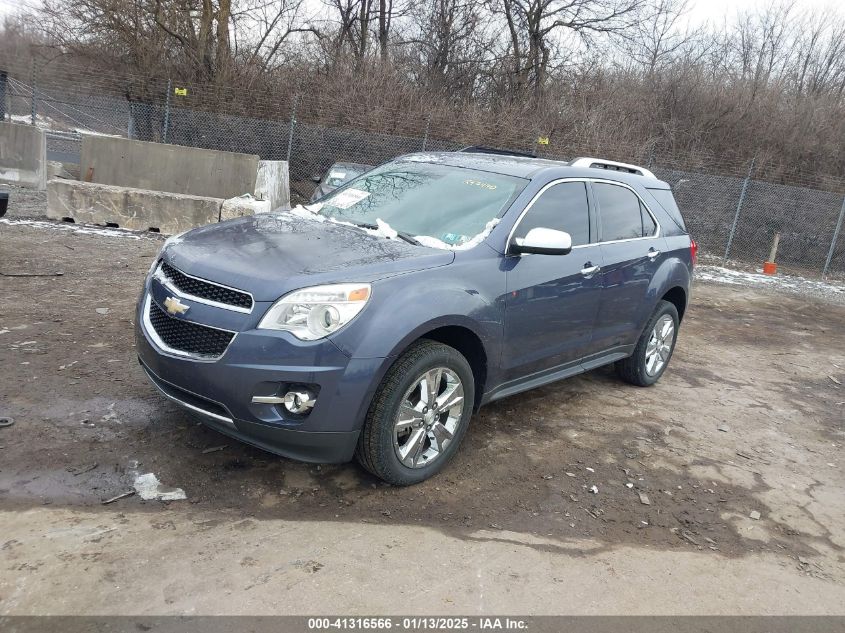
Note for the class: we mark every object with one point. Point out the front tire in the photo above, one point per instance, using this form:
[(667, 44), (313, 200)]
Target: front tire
[(654, 348), (419, 414)]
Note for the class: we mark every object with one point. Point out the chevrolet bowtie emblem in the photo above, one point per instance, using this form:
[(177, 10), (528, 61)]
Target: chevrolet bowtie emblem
[(174, 306)]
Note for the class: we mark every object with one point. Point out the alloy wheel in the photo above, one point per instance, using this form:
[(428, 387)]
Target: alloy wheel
[(659, 345), (428, 418)]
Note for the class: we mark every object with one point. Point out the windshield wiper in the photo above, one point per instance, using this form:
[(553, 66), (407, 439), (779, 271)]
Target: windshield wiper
[(407, 237)]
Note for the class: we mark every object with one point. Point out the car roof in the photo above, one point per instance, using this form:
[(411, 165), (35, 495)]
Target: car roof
[(528, 167)]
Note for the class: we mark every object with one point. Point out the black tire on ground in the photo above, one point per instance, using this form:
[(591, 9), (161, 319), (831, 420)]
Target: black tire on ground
[(633, 368), (375, 450)]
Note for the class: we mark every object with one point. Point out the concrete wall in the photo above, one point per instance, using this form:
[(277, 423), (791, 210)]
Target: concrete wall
[(136, 209), (23, 155), (172, 168), (272, 183)]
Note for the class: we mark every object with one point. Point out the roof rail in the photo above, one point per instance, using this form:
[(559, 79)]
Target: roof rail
[(481, 149), (601, 163)]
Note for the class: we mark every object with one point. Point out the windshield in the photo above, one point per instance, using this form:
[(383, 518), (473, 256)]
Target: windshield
[(340, 174), (450, 204)]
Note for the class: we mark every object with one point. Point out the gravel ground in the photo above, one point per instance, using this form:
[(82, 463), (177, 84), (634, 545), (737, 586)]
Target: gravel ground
[(25, 203)]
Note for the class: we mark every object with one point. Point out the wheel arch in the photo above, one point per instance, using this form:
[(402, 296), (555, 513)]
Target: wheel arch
[(469, 344), (677, 296)]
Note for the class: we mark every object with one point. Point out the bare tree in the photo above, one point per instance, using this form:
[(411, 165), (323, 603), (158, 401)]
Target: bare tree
[(535, 27)]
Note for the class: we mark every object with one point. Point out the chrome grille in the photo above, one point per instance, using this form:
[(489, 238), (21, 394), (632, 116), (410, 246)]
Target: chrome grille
[(205, 290), (186, 337)]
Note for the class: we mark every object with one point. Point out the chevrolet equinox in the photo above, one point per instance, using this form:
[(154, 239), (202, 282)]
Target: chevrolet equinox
[(374, 322)]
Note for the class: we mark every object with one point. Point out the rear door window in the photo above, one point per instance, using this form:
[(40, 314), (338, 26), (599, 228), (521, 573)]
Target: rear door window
[(666, 200), (623, 217), (562, 207)]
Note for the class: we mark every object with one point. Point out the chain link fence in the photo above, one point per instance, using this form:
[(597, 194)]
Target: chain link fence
[(733, 210)]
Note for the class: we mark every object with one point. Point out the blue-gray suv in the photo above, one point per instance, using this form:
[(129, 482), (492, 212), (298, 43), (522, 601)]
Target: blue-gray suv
[(375, 321)]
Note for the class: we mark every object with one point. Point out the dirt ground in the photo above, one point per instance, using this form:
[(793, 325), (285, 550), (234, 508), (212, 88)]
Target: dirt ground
[(750, 418)]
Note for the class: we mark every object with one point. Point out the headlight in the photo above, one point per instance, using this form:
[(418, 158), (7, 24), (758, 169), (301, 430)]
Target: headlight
[(316, 312)]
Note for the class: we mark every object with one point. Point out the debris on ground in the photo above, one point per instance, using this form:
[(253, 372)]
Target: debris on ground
[(149, 488), (689, 537), (57, 274), (724, 428), (6, 422), (122, 495), (215, 449), (644, 499), (755, 515), (594, 489), (102, 311), (81, 470)]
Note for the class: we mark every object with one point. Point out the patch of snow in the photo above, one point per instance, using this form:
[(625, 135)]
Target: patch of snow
[(433, 242), (307, 211), (40, 121), (87, 132), (792, 283), (81, 229), (421, 158), (149, 488)]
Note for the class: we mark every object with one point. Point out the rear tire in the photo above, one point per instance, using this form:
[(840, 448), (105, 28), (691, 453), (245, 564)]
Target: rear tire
[(654, 348), (412, 430)]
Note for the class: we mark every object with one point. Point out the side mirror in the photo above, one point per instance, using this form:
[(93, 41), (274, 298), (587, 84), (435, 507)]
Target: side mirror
[(543, 242), (316, 179)]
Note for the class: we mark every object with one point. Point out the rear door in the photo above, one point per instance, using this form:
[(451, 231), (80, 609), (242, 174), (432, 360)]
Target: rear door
[(632, 250), (552, 300)]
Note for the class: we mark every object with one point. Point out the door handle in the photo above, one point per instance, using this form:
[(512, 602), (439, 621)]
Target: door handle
[(589, 271), (652, 253)]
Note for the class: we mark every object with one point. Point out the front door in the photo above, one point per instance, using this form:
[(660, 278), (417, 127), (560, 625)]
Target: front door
[(552, 300)]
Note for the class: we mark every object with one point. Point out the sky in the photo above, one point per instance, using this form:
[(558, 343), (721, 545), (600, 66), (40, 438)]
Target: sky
[(701, 11)]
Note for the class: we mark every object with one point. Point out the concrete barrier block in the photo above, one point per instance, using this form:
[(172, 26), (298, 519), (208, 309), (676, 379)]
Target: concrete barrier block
[(129, 208), (241, 206), (273, 183), (110, 160), (23, 155)]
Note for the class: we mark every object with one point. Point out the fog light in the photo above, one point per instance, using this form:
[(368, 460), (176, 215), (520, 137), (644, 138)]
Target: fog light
[(299, 401)]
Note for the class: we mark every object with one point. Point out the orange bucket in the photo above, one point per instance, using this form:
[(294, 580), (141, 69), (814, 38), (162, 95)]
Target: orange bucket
[(770, 268)]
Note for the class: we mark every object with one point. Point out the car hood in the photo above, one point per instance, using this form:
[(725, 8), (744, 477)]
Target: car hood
[(271, 254)]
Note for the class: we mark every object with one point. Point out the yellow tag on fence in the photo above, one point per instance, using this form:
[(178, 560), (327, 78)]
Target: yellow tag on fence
[(543, 140), (180, 92)]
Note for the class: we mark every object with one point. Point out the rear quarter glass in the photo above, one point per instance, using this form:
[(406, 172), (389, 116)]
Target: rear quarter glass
[(666, 200)]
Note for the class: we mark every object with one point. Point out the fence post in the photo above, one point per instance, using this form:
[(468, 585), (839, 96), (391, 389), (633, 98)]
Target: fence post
[(3, 77), (745, 184), (167, 111), (835, 238), (33, 81), (427, 130), (290, 129)]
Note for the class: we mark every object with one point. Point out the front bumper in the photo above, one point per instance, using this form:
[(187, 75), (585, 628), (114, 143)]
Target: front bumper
[(263, 363)]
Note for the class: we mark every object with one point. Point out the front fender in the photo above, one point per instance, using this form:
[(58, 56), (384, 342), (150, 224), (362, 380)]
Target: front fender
[(406, 307)]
